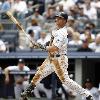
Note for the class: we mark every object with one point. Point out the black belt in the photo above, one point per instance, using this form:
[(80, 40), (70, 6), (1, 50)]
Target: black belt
[(58, 55)]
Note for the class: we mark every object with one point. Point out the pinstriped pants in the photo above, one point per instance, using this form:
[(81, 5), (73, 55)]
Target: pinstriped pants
[(58, 65)]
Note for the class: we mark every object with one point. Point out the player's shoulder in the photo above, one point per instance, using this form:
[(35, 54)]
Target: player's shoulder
[(26, 68), (60, 32), (12, 67), (94, 89)]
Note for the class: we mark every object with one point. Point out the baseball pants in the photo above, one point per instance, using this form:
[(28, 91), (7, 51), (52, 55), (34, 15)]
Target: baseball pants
[(40, 87), (19, 88), (58, 65)]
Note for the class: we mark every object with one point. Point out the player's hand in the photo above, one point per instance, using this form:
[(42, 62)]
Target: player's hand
[(7, 80)]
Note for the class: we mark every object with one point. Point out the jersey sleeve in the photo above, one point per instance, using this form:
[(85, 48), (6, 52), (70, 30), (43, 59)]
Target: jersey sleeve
[(26, 68), (10, 68)]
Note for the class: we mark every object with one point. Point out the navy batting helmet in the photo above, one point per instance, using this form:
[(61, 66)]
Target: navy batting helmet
[(62, 15)]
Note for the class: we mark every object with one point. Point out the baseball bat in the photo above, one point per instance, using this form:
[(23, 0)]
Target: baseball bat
[(9, 14)]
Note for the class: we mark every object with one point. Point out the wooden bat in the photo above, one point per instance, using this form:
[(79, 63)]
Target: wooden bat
[(15, 21)]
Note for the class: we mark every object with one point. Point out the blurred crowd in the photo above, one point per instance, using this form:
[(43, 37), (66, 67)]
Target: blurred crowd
[(38, 16)]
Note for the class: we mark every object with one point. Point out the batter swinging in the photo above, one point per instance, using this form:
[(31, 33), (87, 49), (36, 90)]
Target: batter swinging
[(57, 61)]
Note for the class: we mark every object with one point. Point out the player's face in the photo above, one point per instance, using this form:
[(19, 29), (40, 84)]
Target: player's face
[(60, 22), (88, 85), (21, 66)]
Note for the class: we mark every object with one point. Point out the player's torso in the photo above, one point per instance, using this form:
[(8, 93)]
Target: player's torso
[(61, 35), (20, 75)]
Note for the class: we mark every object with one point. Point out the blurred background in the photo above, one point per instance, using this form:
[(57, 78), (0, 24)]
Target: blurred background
[(37, 18)]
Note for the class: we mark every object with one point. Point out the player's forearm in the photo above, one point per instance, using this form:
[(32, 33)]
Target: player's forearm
[(6, 72)]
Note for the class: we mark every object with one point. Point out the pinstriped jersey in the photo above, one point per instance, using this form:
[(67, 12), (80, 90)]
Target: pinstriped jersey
[(60, 40)]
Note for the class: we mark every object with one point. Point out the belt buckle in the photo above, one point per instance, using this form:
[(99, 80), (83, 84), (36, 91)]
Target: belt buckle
[(58, 55)]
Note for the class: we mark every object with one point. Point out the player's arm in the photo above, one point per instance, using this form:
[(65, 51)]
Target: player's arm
[(6, 72)]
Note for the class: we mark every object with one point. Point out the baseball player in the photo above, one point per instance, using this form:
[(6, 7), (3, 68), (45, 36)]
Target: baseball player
[(57, 60), (21, 81)]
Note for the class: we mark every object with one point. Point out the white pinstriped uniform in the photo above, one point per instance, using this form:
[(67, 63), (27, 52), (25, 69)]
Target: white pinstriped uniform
[(59, 65)]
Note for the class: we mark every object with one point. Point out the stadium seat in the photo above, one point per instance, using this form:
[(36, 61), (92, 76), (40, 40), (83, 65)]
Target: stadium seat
[(11, 39)]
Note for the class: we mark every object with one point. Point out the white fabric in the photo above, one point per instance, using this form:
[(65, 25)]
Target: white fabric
[(94, 92), (16, 68), (42, 41), (95, 4), (46, 39), (94, 47), (21, 7), (40, 87), (36, 30), (69, 90), (19, 87), (60, 40), (28, 42), (2, 46), (99, 91), (91, 13), (0, 3), (48, 68), (67, 4), (75, 43), (83, 37), (59, 65)]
